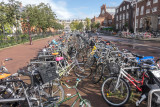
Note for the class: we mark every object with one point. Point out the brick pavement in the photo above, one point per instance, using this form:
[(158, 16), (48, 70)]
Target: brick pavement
[(21, 54)]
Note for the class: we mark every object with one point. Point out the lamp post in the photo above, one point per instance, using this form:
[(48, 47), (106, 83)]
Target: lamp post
[(29, 33)]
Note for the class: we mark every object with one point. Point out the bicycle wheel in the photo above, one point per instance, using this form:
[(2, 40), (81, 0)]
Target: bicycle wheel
[(82, 70), (90, 61), (158, 62), (97, 75), (86, 103), (54, 89), (80, 56), (118, 96)]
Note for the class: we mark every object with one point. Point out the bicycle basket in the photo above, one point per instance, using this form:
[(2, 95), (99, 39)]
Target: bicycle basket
[(48, 72)]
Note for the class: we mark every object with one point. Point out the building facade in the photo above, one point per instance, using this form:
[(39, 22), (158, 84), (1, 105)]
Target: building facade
[(147, 15), (106, 16), (124, 16)]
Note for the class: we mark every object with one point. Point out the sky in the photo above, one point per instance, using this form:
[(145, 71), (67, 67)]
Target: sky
[(74, 9)]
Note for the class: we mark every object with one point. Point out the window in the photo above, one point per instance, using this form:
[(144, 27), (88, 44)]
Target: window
[(109, 21), (154, 9), (128, 6), (142, 9), (147, 11), (123, 7), (148, 3), (103, 12), (137, 12), (155, 1), (116, 26), (117, 18), (136, 23), (126, 15), (121, 17), (141, 22)]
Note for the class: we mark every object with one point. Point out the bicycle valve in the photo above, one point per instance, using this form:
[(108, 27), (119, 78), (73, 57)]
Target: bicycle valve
[(143, 97)]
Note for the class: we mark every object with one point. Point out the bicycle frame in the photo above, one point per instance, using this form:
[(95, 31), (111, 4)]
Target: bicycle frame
[(130, 78), (64, 69), (78, 97)]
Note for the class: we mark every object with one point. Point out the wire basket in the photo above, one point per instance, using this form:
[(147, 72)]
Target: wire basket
[(47, 70)]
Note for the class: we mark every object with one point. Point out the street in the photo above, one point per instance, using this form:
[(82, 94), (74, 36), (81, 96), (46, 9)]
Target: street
[(146, 48)]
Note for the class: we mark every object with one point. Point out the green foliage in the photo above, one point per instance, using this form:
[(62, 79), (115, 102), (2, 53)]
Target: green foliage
[(57, 26), (9, 14), (98, 25), (93, 26), (40, 16), (80, 26), (88, 24), (75, 25)]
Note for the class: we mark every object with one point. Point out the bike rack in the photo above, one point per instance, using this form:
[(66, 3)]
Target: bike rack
[(150, 96)]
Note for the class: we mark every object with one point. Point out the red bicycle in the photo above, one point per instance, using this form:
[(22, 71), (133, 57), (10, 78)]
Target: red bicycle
[(116, 90)]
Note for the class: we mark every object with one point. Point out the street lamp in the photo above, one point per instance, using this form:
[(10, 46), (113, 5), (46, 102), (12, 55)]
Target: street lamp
[(30, 39)]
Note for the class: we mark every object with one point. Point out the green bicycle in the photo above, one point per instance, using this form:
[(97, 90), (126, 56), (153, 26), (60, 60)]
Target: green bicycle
[(83, 102)]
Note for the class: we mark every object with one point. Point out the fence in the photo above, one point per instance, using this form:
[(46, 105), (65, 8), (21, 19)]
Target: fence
[(13, 39)]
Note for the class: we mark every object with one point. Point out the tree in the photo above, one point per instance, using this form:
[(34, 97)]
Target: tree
[(58, 26), (93, 26), (74, 25), (80, 26), (88, 24), (9, 14), (98, 25)]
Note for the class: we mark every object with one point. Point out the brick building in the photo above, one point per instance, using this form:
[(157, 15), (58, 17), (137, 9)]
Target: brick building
[(124, 16), (106, 17), (148, 15)]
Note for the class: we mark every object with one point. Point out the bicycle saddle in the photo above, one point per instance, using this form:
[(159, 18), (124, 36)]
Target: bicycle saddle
[(59, 58), (148, 62)]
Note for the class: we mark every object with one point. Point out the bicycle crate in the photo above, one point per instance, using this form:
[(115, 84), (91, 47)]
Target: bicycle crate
[(47, 72)]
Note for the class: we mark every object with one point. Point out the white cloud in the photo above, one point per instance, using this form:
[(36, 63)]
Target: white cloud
[(58, 7)]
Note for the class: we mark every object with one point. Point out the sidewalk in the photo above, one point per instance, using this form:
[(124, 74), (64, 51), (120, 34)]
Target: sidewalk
[(21, 54)]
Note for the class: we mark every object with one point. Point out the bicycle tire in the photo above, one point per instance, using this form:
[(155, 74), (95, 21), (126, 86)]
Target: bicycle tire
[(86, 104), (119, 97), (57, 90), (82, 70), (98, 73), (90, 61)]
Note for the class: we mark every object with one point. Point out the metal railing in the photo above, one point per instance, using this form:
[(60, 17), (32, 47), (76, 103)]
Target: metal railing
[(150, 96)]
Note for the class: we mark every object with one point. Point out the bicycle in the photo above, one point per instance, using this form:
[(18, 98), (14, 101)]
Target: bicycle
[(119, 88), (83, 102)]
